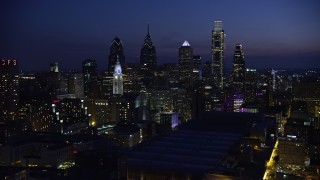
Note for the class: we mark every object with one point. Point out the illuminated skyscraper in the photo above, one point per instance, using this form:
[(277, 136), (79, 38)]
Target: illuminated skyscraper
[(238, 74), (218, 36), (117, 79), (148, 58), (9, 90), (90, 76), (116, 52), (185, 64)]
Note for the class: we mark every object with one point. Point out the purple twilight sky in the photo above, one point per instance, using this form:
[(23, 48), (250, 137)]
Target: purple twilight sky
[(274, 34)]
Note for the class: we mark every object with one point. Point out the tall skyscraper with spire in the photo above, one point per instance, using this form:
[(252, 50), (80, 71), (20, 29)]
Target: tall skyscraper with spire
[(117, 79), (116, 50), (218, 36), (238, 73), (148, 58)]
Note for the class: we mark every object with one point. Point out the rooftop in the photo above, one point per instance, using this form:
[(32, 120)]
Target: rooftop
[(185, 43), (185, 151)]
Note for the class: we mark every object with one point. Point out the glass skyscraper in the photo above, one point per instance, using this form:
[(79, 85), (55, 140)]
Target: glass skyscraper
[(218, 36), (238, 74)]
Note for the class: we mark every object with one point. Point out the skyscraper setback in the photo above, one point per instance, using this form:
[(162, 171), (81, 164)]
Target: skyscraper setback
[(116, 49), (218, 36), (148, 58)]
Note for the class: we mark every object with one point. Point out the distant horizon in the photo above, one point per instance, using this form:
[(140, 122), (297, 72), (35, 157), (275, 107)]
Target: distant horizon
[(274, 34)]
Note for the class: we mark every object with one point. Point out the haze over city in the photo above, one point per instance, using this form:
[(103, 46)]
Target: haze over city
[(274, 34)]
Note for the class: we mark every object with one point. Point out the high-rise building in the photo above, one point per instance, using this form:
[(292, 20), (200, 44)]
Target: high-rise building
[(9, 90), (238, 74), (75, 85), (116, 52), (53, 79), (148, 58), (185, 64), (90, 76), (117, 79), (218, 36), (250, 85), (54, 67), (196, 67), (207, 71), (238, 77)]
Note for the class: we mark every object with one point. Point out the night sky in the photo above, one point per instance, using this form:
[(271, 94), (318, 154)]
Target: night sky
[(274, 33)]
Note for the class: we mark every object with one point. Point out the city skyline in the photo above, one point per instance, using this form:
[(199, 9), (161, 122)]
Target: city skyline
[(273, 34)]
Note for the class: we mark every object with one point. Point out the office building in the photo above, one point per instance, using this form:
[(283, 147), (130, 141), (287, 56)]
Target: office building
[(148, 58), (75, 85), (185, 64), (196, 67), (250, 85), (292, 155), (90, 76), (9, 90), (218, 46), (238, 73), (116, 52)]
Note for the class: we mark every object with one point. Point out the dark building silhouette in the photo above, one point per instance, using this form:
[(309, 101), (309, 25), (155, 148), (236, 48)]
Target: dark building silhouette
[(196, 67), (116, 53), (250, 85), (185, 64), (116, 49), (148, 58), (9, 90), (238, 74), (207, 71), (75, 85), (218, 53), (90, 76)]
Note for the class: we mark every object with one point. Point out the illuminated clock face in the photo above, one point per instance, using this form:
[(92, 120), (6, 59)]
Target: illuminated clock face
[(8, 62)]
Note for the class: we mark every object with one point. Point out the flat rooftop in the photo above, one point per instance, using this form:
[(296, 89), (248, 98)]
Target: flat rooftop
[(185, 151)]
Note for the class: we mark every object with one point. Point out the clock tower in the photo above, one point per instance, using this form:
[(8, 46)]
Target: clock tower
[(117, 78)]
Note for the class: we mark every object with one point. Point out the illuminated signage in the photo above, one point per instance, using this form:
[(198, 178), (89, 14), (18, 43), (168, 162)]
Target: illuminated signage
[(8, 62), (56, 100)]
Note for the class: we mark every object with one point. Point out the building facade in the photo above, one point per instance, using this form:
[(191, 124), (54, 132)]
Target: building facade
[(185, 64), (218, 36), (90, 76), (117, 79), (148, 58), (116, 52), (238, 73), (9, 90)]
